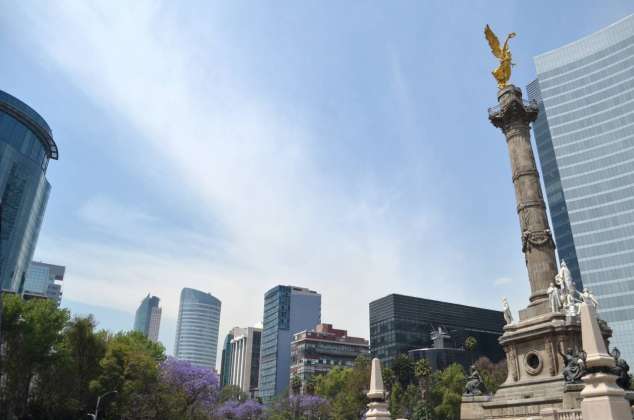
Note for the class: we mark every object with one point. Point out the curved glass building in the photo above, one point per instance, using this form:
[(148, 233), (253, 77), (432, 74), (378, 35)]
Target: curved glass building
[(197, 328), (26, 146), (585, 141)]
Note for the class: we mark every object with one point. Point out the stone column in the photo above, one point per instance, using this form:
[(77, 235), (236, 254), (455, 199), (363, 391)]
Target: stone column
[(513, 116)]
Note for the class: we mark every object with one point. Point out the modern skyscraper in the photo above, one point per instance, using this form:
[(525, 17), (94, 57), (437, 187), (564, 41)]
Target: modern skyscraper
[(317, 351), (148, 317), (26, 146), (287, 310), (585, 140), (241, 359), (197, 328), (400, 323), (44, 281)]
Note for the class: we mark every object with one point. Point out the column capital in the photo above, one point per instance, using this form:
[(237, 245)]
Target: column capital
[(512, 110)]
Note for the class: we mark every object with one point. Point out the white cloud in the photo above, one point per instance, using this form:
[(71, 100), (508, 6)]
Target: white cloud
[(251, 164), (502, 281)]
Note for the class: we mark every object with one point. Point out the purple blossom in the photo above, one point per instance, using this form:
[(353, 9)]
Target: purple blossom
[(308, 405), (198, 385), (248, 410)]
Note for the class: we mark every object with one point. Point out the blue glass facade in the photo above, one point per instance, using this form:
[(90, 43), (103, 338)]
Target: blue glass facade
[(287, 310), (26, 145), (44, 280), (197, 328), (143, 316), (585, 141)]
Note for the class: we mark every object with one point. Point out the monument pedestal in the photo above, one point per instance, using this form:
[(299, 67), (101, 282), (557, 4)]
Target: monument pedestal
[(603, 399), (472, 407)]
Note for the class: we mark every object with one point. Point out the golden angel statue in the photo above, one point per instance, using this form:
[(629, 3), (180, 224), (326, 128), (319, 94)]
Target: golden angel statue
[(503, 73)]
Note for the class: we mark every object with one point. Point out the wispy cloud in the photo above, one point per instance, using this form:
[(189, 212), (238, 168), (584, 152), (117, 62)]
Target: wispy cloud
[(503, 281), (275, 212)]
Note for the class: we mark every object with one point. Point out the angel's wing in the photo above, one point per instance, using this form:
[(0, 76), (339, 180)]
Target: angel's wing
[(494, 42)]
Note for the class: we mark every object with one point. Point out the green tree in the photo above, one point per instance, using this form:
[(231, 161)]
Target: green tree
[(423, 371), (296, 385), (493, 374), (130, 367), (232, 393), (346, 389), (403, 368), (31, 335), (447, 392), (388, 379), (470, 343)]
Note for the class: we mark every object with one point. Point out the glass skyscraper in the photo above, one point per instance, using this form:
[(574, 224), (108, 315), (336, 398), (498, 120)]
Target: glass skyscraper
[(585, 140), (26, 146), (287, 310), (197, 328), (44, 281), (147, 319)]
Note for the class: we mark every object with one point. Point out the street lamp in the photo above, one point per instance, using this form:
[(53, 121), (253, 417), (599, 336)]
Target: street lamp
[(99, 398)]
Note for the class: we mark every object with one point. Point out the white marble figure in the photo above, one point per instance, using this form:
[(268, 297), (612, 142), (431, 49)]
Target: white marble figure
[(571, 303), (563, 279), (508, 316), (554, 298), (589, 298)]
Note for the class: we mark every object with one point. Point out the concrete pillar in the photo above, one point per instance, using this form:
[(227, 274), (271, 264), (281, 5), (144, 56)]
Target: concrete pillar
[(513, 116)]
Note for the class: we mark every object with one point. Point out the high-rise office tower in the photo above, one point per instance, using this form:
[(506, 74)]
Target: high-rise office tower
[(44, 281), (241, 359), (287, 310), (26, 146), (197, 328), (585, 140), (148, 317)]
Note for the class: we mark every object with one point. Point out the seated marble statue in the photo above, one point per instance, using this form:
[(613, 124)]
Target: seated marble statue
[(475, 383), (621, 370), (575, 366)]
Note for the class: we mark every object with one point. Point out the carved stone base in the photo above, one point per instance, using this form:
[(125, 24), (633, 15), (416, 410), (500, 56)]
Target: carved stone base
[(471, 407), (603, 399), (572, 396), (377, 411)]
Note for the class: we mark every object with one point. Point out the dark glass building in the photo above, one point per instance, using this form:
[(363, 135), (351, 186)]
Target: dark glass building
[(287, 310), (585, 140), (26, 146), (147, 319), (401, 323)]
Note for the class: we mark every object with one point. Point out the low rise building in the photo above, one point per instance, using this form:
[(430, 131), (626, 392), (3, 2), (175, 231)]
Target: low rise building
[(442, 353), (241, 359), (317, 351), (43, 281)]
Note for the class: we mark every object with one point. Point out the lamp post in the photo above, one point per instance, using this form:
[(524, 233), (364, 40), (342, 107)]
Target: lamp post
[(99, 398)]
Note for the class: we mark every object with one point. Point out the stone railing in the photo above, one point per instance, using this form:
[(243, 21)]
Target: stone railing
[(558, 414), (568, 415)]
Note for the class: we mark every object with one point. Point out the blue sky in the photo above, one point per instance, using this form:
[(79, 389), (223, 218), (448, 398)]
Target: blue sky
[(233, 146)]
